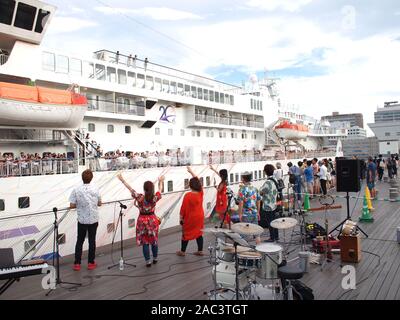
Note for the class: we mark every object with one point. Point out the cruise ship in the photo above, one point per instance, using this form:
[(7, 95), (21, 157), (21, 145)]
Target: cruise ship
[(110, 113)]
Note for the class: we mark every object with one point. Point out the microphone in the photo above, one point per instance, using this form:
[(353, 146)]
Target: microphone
[(122, 205)]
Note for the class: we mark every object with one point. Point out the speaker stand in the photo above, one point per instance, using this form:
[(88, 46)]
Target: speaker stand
[(340, 225)]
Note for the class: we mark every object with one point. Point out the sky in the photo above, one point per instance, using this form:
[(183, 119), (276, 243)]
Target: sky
[(328, 55)]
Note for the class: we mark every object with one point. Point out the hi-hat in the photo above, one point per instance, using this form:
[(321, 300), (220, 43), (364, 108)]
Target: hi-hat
[(247, 229), (284, 223)]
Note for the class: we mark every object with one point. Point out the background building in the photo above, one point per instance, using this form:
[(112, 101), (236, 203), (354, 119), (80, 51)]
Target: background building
[(361, 148), (355, 119), (387, 128)]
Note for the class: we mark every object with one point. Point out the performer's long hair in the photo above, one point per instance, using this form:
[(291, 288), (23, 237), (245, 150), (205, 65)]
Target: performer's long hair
[(224, 176), (148, 188)]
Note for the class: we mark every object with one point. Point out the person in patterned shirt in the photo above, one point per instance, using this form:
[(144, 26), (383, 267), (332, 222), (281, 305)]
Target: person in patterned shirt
[(269, 194), (249, 202), (148, 223)]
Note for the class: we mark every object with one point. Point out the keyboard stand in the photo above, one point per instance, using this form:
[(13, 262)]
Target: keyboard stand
[(8, 284)]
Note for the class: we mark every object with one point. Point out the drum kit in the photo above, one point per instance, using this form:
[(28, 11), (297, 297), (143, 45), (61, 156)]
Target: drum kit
[(244, 271)]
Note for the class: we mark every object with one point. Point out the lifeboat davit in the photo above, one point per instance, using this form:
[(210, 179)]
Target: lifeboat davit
[(291, 131), (31, 106)]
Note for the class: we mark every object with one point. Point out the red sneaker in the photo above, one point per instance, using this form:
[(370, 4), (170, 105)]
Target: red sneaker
[(92, 266), (77, 267)]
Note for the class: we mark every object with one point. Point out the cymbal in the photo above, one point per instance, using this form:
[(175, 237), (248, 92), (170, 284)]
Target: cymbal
[(284, 223), (247, 228)]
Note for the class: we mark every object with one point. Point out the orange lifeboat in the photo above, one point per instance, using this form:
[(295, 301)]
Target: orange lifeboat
[(29, 106), (291, 131)]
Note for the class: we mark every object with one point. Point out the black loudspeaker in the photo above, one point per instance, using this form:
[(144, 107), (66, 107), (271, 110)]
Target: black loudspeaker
[(348, 175)]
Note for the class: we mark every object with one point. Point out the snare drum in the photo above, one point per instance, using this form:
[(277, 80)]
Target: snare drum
[(227, 252), (249, 259), (271, 257)]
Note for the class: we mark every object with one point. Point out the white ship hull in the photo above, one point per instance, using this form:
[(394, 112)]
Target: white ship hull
[(18, 227), (27, 114)]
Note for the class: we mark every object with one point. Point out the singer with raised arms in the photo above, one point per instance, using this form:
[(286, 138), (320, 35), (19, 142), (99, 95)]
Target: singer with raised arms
[(192, 216), (148, 223)]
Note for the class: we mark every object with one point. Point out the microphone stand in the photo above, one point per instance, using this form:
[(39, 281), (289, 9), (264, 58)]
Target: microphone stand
[(121, 262), (56, 256)]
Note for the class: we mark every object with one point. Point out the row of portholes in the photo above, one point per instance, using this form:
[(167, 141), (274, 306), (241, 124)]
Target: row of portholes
[(23, 203)]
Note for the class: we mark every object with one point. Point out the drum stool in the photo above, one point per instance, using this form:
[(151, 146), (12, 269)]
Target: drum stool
[(286, 274)]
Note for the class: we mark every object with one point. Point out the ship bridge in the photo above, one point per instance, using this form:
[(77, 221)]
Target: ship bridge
[(25, 20)]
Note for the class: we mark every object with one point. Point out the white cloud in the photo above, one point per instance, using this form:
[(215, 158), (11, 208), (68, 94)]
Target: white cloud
[(271, 5), (69, 24), (154, 13)]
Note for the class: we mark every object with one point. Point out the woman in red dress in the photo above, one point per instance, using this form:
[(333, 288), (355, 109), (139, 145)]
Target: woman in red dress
[(192, 216), (147, 223), (222, 200)]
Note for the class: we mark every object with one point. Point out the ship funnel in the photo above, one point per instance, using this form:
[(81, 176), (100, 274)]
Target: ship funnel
[(25, 20)]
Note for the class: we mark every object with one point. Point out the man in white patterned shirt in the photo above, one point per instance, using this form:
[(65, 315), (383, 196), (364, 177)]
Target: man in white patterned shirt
[(86, 200)]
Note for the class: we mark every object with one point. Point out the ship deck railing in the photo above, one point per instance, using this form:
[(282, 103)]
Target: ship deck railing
[(16, 168), (229, 121)]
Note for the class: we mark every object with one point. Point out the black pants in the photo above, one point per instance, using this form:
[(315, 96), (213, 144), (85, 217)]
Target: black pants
[(380, 173), (91, 229), (271, 216), (323, 186), (199, 241)]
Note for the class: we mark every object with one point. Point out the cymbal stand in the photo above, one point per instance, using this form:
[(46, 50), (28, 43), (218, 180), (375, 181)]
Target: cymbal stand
[(326, 201), (214, 262)]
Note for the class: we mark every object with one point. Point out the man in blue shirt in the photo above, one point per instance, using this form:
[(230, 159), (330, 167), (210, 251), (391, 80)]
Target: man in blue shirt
[(371, 173), (309, 178), (295, 171)]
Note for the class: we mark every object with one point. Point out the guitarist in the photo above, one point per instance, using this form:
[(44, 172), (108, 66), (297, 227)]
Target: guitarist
[(147, 223), (270, 193)]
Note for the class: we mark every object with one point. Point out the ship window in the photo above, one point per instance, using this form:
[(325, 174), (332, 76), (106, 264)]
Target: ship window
[(157, 84), (212, 134), (48, 61), (259, 174), (199, 93), (227, 98), (149, 83), (140, 80), (182, 132), (170, 186), (23, 202), (193, 92), (187, 90), (62, 64), (131, 223), (198, 133), (75, 67), (231, 177), (193, 133), (131, 79), (208, 181), (157, 131), (110, 227), (211, 95), (387, 134), (221, 98), (91, 127), (205, 96), (202, 181), (6, 11), (128, 129), (180, 89), (100, 72), (29, 245), (216, 95), (122, 77), (111, 75), (2, 205), (170, 132), (261, 106), (173, 87), (232, 100), (237, 177), (186, 184), (110, 128), (165, 86), (208, 134), (41, 21), (88, 70), (62, 239), (255, 175), (25, 16)]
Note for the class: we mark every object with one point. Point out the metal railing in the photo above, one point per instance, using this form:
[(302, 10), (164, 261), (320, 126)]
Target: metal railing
[(218, 157), (118, 108), (3, 59), (37, 167), (229, 121)]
